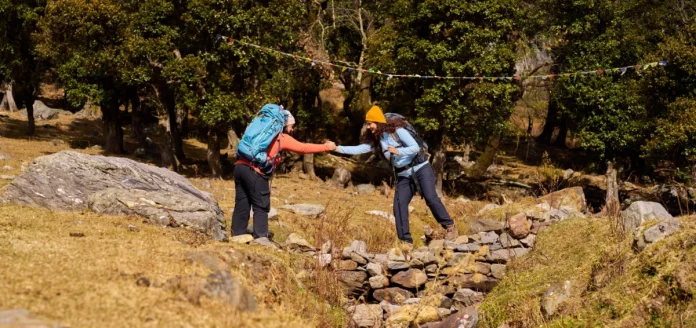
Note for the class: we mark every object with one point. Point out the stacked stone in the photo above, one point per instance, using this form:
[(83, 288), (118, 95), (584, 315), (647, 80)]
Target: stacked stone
[(456, 274)]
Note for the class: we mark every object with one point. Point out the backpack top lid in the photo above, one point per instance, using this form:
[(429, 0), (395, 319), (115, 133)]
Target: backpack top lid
[(274, 111), (408, 128)]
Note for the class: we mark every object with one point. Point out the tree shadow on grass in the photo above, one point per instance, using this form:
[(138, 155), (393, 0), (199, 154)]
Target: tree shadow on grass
[(86, 135)]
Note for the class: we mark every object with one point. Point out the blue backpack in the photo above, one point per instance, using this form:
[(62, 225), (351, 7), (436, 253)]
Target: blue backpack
[(258, 136)]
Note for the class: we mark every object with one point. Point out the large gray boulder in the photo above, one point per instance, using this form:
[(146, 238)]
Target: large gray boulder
[(72, 181), (43, 112), (637, 213)]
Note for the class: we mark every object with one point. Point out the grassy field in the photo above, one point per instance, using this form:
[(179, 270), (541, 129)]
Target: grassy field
[(612, 286), (98, 279), (92, 280)]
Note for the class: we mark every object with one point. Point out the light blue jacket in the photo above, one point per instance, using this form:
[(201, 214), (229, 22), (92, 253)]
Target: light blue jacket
[(406, 154)]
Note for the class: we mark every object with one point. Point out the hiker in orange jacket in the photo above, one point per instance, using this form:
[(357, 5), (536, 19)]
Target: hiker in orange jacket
[(252, 185)]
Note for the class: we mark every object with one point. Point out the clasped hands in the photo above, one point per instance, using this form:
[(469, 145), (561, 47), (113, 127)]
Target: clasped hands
[(331, 144)]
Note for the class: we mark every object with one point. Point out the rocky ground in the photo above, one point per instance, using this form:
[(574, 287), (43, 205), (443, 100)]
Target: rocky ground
[(113, 241)]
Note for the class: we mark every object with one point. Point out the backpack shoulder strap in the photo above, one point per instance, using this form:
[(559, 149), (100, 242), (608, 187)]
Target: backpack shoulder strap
[(396, 137)]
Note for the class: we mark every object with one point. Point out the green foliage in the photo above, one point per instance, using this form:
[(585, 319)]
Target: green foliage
[(614, 114), (167, 54), (459, 39), (673, 99), (86, 42), (232, 71), (17, 56), (675, 135), (101, 47)]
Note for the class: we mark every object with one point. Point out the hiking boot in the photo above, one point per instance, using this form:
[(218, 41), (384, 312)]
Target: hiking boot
[(451, 233)]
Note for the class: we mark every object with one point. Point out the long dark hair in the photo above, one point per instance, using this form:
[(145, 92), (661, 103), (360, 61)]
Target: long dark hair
[(373, 139)]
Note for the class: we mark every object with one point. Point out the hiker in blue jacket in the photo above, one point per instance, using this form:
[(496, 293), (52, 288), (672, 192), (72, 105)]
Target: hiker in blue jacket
[(391, 139)]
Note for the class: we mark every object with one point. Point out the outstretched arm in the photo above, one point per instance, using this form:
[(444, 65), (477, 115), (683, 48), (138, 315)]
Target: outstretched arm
[(354, 150), (291, 144)]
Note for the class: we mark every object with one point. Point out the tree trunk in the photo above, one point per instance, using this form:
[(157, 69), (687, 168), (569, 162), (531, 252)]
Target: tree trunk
[(550, 124), (439, 169), (169, 158), (308, 165), (9, 98), (179, 131), (136, 121), (4, 106), (613, 206), (233, 141), (364, 93), (113, 134), (29, 100), (213, 154), (693, 174), (485, 160), (562, 135)]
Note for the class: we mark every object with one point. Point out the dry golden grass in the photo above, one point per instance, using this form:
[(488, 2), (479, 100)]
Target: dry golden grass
[(91, 281), (612, 285)]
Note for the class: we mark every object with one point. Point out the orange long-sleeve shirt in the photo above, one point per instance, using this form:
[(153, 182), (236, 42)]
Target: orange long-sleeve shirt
[(286, 142)]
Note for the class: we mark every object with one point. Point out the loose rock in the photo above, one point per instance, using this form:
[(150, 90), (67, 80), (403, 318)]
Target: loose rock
[(489, 238), (264, 241), (498, 270), (657, 232), (488, 208), (367, 315), (572, 197), (378, 282), (348, 265), (412, 278), (477, 226), (325, 260), (299, 244), (639, 212), (374, 269), (529, 240), (242, 239), (358, 246), (393, 295), (465, 297), (554, 297), (304, 209), (341, 177), (20, 318), (519, 226), (467, 318), (507, 241), (505, 255), (383, 214), (353, 282), (365, 189)]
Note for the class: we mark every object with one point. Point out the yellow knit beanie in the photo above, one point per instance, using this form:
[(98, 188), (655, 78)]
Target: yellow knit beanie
[(375, 115)]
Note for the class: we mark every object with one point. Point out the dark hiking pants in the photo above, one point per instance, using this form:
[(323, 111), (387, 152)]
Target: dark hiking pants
[(405, 189), (252, 191)]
